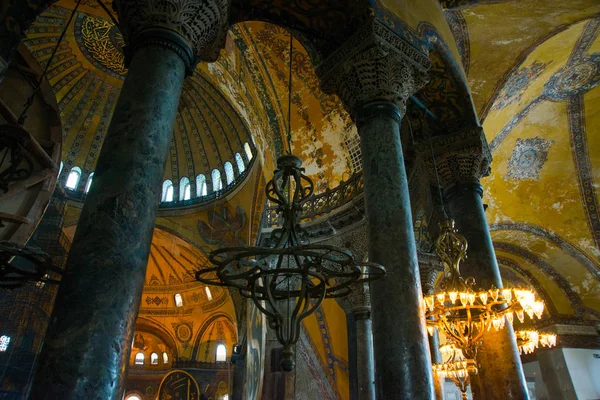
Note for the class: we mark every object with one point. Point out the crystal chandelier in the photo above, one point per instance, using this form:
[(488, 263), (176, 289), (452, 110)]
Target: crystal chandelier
[(529, 340), (464, 314), (455, 367)]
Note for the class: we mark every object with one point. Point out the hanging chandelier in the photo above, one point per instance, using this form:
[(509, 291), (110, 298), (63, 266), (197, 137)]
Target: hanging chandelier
[(529, 340), (455, 367), (23, 264), (464, 314), (287, 282)]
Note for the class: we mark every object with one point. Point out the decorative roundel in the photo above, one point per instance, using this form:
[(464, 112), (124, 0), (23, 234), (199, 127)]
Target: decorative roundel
[(575, 78), (183, 333), (101, 43), (527, 159), (178, 384)]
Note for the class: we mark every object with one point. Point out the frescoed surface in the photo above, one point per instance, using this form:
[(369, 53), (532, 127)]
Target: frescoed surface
[(255, 352)]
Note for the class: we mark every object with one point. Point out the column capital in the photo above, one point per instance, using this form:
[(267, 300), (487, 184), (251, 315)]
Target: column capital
[(374, 65), (462, 157), (194, 29), (360, 299)]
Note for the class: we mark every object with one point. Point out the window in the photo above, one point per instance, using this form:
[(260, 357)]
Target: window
[(352, 143), (167, 192), (89, 183), (4, 341), (133, 397), (208, 293), (221, 353), (184, 188), (165, 358), (225, 397), (229, 172), (73, 179), (154, 359), (248, 151), (240, 163), (139, 359), (217, 182), (201, 189), (178, 300)]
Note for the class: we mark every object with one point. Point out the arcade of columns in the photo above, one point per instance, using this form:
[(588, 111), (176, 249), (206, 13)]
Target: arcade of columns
[(87, 349)]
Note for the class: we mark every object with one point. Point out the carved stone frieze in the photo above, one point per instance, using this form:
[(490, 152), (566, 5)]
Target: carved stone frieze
[(374, 65), (202, 24), (462, 157)]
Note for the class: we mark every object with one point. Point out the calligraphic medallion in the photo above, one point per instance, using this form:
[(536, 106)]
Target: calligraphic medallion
[(178, 385)]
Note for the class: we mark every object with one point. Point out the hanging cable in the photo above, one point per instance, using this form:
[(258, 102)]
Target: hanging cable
[(437, 177), (106, 10), (289, 132), (29, 102)]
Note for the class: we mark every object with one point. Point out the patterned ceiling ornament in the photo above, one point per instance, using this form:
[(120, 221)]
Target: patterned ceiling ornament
[(374, 65), (528, 157), (461, 157), (101, 43), (578, 77), (200, 27), (183, 330), (518, 83)]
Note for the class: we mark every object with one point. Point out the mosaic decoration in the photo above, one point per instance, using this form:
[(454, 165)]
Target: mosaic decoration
[(224, 229), (183, 331), (157, 301), (101, 43), (574, 78), (518, 83), (421, 231), (458, 27), (528, 157)]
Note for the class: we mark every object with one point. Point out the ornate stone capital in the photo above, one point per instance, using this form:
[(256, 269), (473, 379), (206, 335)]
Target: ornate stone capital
[(374, 65), (195, 29), (360, 298), (430, 266), (463, 157)]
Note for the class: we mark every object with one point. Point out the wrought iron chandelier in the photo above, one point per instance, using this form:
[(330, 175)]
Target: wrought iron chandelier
[(456, 367), (290, 280), (21, 264), (463, 314)]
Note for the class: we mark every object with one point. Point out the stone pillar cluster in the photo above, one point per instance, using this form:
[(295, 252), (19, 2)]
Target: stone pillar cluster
[(374, 73), (86, 352), (462, 158)]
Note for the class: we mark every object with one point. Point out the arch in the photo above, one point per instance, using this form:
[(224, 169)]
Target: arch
[(248, 151), (240, 163), (216, 180), (201, 187), (145, 325), (185, 189), (73, 178), (203, 329), (167, 191), (221, 353), (139, 358), (229, 173), (88, 184), (154, 359)]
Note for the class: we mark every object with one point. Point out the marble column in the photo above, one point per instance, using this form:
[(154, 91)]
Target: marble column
[(373, 73), (360, 303), (87, 348), (462, 158)]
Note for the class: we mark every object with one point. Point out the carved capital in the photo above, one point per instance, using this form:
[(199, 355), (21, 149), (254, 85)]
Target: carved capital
[(195, 29), (360, 298), (430, 266), (463, 157), (374, 65)]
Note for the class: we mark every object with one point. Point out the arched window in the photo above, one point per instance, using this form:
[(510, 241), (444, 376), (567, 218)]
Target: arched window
[(165, 358), (73, 179), (240, 163), (229, 172), (248, 151), (88, 184), (208, 293), (221, 353), (154, 359), (201, 189), (167, 192), (185, 189), (139, 359), (4, 341), (217, 182), (133, 397), (178, 300)]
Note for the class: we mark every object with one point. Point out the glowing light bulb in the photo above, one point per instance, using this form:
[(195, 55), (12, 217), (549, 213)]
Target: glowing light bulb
[(453, 296), (521, 315), (494, 294), (510, 317), (483, 296), (430, 330), (429, 300), (441, 297), (464, 298), (507, 294), (472, 298)]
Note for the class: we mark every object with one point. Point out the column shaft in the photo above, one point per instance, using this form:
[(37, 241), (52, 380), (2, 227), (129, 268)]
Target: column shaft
[(86, 352), (364, 356), (402, 360), (436, 358), (500, 374)]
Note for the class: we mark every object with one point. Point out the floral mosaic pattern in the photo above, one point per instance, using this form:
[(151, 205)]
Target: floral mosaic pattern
[(528, 157), (518, 83)]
